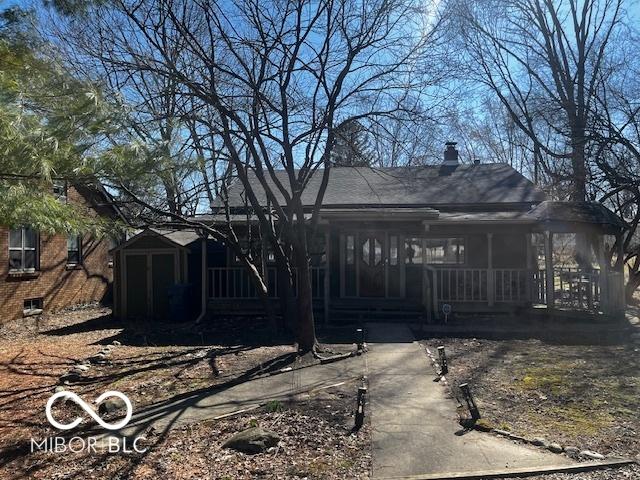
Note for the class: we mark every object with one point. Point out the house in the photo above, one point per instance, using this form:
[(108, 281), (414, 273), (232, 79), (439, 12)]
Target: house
[(417, 241), (43, 273)]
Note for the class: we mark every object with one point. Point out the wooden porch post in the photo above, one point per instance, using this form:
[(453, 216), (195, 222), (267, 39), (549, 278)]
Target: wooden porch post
[(385, 259), (603, 278), (401, 264), (529, 274), (490, 280), (327, 270), (548, 263), (342, 260), (621, 301)]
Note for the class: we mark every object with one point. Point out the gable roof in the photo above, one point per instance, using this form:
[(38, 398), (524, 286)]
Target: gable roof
[(174, 238), (489, 183)]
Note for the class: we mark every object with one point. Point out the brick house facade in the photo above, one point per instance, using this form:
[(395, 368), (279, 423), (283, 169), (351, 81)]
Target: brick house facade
[(64, 273)]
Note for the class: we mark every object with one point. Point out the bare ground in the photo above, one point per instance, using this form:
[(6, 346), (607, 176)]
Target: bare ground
[(157, 364), (586, 396)]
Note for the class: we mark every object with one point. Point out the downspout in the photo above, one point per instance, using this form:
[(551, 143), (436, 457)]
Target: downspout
[(203, 288)]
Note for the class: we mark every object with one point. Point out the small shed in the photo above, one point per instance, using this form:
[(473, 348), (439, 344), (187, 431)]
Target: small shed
[(158, 276)]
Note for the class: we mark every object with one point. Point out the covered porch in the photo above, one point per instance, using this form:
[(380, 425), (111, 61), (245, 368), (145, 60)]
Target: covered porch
[(412, 262)]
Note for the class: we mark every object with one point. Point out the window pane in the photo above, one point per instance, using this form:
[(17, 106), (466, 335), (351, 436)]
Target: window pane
[(72, 242), (377, 252), (445, 250), (73, 256), (29, 259), (30, 238), (393, 250), (365, 251), (460, 250), (413, 251), (350, 249), (15, 259), (15, 238)]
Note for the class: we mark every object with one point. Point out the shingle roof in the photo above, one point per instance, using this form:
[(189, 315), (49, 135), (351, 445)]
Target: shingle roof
[(593, 213), (179, 237), (427, 185)]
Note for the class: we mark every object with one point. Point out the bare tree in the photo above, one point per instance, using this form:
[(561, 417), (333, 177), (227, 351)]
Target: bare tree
[(270, 84), (616, 154), (543, 59)]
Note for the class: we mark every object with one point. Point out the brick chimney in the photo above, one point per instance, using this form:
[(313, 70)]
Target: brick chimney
[(450, 154)]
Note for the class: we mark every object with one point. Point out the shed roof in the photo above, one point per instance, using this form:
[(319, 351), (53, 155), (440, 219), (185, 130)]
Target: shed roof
[(178, 238), (489, 183)]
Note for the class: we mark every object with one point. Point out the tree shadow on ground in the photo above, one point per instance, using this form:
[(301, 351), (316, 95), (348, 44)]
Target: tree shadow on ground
[(222, 331)]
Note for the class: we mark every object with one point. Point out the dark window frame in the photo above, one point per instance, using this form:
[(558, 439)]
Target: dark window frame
[(23, 249), (60, 190), (77, 251)]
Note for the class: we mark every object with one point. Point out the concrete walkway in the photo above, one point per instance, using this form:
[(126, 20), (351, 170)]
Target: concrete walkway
[(415, 428), (211, 403)]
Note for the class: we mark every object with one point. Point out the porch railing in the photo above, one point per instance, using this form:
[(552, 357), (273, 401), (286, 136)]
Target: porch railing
[(461, 284), (577, 289), (510, 285), (231, 283), (573, 288)]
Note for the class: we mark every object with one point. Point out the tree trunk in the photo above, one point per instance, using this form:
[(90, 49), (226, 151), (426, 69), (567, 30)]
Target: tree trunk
[(633, 283), (579, 187), (305, 332), (287, 297)]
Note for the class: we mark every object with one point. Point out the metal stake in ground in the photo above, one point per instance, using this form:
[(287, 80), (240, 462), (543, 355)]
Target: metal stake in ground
[(468, 398), (360, 339), (362, 393), (444, 367)]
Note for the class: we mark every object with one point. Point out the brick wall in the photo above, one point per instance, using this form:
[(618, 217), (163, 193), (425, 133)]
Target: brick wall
[(57, 283)]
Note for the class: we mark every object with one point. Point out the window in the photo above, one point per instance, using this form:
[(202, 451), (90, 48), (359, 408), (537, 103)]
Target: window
[(393, 250), (60, 190), (413, 251), (445, 250), (23, 249), (32, 306), (350, 250), (74, 249), (365, 251)]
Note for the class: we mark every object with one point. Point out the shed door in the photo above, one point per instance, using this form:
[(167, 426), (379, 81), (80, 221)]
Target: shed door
[(136, 285), (163, 276)]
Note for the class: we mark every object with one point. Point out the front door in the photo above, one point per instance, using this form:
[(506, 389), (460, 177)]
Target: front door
[(371, 262)]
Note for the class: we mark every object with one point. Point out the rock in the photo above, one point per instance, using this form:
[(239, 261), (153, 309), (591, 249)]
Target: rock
[(252, 440), (70, 377), (98, 359), (591, 455), (554, 447), (59, 389), (572, 451), (538, 442), (111, 405), (81, 367), (116, 343)]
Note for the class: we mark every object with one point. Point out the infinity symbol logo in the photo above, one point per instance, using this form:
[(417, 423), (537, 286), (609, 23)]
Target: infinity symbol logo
[(87, 408)]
